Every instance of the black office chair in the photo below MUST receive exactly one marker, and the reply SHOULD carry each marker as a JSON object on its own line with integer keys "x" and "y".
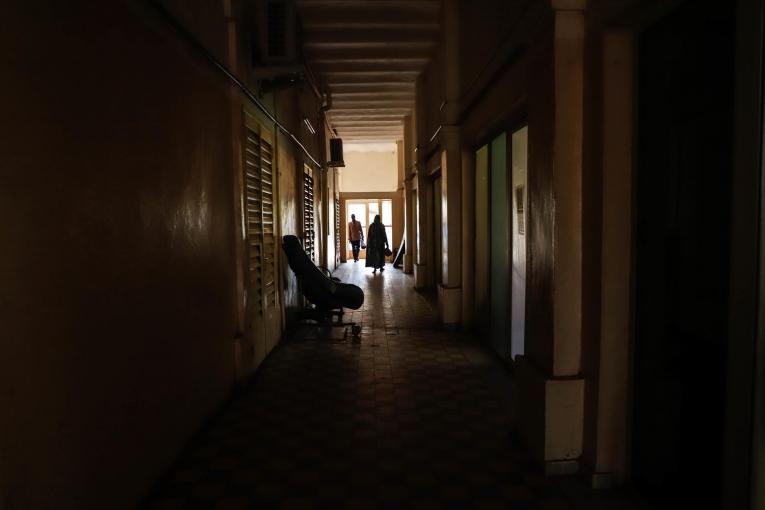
{"x": 327, "y": 294}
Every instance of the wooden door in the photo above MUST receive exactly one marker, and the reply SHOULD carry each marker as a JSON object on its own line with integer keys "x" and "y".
{"x": 685, "y": 148}
{"x": 262, "y": 294}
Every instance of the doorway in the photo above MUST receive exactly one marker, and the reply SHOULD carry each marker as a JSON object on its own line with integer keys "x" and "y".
{"x": 684, "y": 144}
{"x": 365, "y": 211}
{"x": 438, "y": 232}
{"x": 482, "y": 241}
{"x": 518, "y": 214}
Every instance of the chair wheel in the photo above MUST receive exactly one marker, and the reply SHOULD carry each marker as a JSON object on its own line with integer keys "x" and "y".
{"x": 356, "y": 330}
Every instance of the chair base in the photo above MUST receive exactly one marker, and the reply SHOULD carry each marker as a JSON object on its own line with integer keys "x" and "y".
{"x": 330, "y": 318}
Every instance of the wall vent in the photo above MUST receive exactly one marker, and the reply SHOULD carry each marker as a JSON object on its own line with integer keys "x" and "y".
{"x": 277, "y": 34}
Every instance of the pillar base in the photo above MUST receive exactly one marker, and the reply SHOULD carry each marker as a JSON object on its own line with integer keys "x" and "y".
{"x": 450, "y": 306}
{"x": 561, "y": 467}
{"x": 602, "y": 481}
{"x": 420, "y": 276}
{"x": 408, "y": 263}
{"x": 550, "y": 417}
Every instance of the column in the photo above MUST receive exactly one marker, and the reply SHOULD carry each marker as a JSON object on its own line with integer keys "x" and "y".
{"x": 450, "y": 291}
{"x": 421, "y": 276}
{"x": 551, "y": 391}
{"x": 409, "y": 210}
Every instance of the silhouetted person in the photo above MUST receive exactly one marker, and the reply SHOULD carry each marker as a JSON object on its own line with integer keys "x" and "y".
{"x": 377, "y": 243}
{"x": 355, "y": 236}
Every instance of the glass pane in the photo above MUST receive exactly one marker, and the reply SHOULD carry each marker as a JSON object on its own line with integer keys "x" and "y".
{"x": 519, "y": 163}
{"x": 373, "y": 210}
{"x": 389, "y": 233}
{"x": 387, "y": 212}
{"x": 499, "y": 246}
{"x": 359, "y": 210}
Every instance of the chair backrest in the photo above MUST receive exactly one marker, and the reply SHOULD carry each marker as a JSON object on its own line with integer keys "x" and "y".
{"x": 315, "y": 286}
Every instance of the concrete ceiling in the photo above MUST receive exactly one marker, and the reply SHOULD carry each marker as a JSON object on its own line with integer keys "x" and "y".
{"x": 369, "y": 53}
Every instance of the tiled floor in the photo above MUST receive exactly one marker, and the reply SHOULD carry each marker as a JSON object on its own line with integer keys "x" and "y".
{"x": 406, "y": 418}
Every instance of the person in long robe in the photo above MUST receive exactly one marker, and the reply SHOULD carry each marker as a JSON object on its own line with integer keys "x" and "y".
{"x": 377, "y": 243}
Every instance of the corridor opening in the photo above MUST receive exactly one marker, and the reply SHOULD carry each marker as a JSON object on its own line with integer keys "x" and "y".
{"x": 365, "y": 212}
{"x": 438, "y": 231}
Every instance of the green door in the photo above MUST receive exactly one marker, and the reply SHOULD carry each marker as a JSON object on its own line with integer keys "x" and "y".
{"x": 498, "y": 219}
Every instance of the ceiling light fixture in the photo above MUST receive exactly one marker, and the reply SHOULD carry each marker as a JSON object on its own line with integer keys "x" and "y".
{"x": 308, "y": 125}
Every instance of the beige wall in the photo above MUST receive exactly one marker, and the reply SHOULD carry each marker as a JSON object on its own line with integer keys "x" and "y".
{"x": 369, "y": 170}
{"x": 120, "y": 295}
{"x": 117, "y": 226}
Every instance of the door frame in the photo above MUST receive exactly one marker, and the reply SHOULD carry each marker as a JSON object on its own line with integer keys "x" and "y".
{"x": 745, "y": 379}
{"x": 514, "y": 121}
{"x": 397, "y": 203}
{"x": 744, "y": 467}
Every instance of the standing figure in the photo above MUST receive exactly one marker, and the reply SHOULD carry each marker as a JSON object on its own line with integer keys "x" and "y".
{"x": 377, "y": 243}
{"x": 355, "y": 236}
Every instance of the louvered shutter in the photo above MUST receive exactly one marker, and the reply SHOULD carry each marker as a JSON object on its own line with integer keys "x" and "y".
{"x": 269, "y": 232}
{"x": 309, "y": 233}
{"x": 261, "y": 241}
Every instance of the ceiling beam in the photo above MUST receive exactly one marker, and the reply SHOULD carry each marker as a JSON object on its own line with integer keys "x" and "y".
{"x": 342, "y": 88}
{"x": 370, "y": 35}
{"x": 381, "y": 117}
{"x": 382, "y": 52}
{"x": 370, "y": 76}
{"x": 431, "y": 7}
{"x": 390, "y": 44}
{"x": 356, "y": 123}
{"x": 371, "y": 111}
{"x": 371, "y": 23}
{"x": 370, "y": 62}
{"x": 365, "y": 105}
{"x": 371, "y": 95}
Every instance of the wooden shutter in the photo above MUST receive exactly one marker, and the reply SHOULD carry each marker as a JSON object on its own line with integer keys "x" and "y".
{"x": 259, "y": 197}
{"x": 309, "y": 232}
{"x": 269, "y": 232}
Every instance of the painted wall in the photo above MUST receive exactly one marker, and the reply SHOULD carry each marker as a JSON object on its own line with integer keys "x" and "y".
{"x": 117, "y": 226}
{"x": 508, "y": 80}
{"x": 120, "y": 274}
{"x": 369, "y": 170}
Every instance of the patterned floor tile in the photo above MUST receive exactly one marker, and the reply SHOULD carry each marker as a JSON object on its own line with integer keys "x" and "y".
{"x": 402, "y": 419}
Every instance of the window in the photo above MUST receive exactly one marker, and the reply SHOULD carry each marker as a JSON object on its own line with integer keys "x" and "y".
{"x": 366, "y": 209}
{"x": 337, "y": 230}
{"x": 387, "y": 219}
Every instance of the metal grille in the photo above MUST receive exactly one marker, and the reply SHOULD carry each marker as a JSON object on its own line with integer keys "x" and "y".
{"x": 261, "y": 243}
{"x": 309, "y": 233}
{"x": 277, "y": 29}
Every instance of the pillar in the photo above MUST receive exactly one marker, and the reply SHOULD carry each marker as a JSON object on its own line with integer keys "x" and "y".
{"x": 608, "y": 461}
{"x": 468, "y": 239}
{"x": 409, "y": 208}
{"x": 551, "y": 397}
{"x": 450, "y": 290}
{"x": 421, "y": 268}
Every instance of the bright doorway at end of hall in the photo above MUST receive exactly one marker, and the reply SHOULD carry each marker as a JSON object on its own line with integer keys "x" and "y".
{"x": 365, "y": 211}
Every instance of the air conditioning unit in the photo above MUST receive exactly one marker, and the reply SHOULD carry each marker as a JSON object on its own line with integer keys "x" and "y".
{"x": 277, "y": 34}
{"x": 335, "y": 153}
